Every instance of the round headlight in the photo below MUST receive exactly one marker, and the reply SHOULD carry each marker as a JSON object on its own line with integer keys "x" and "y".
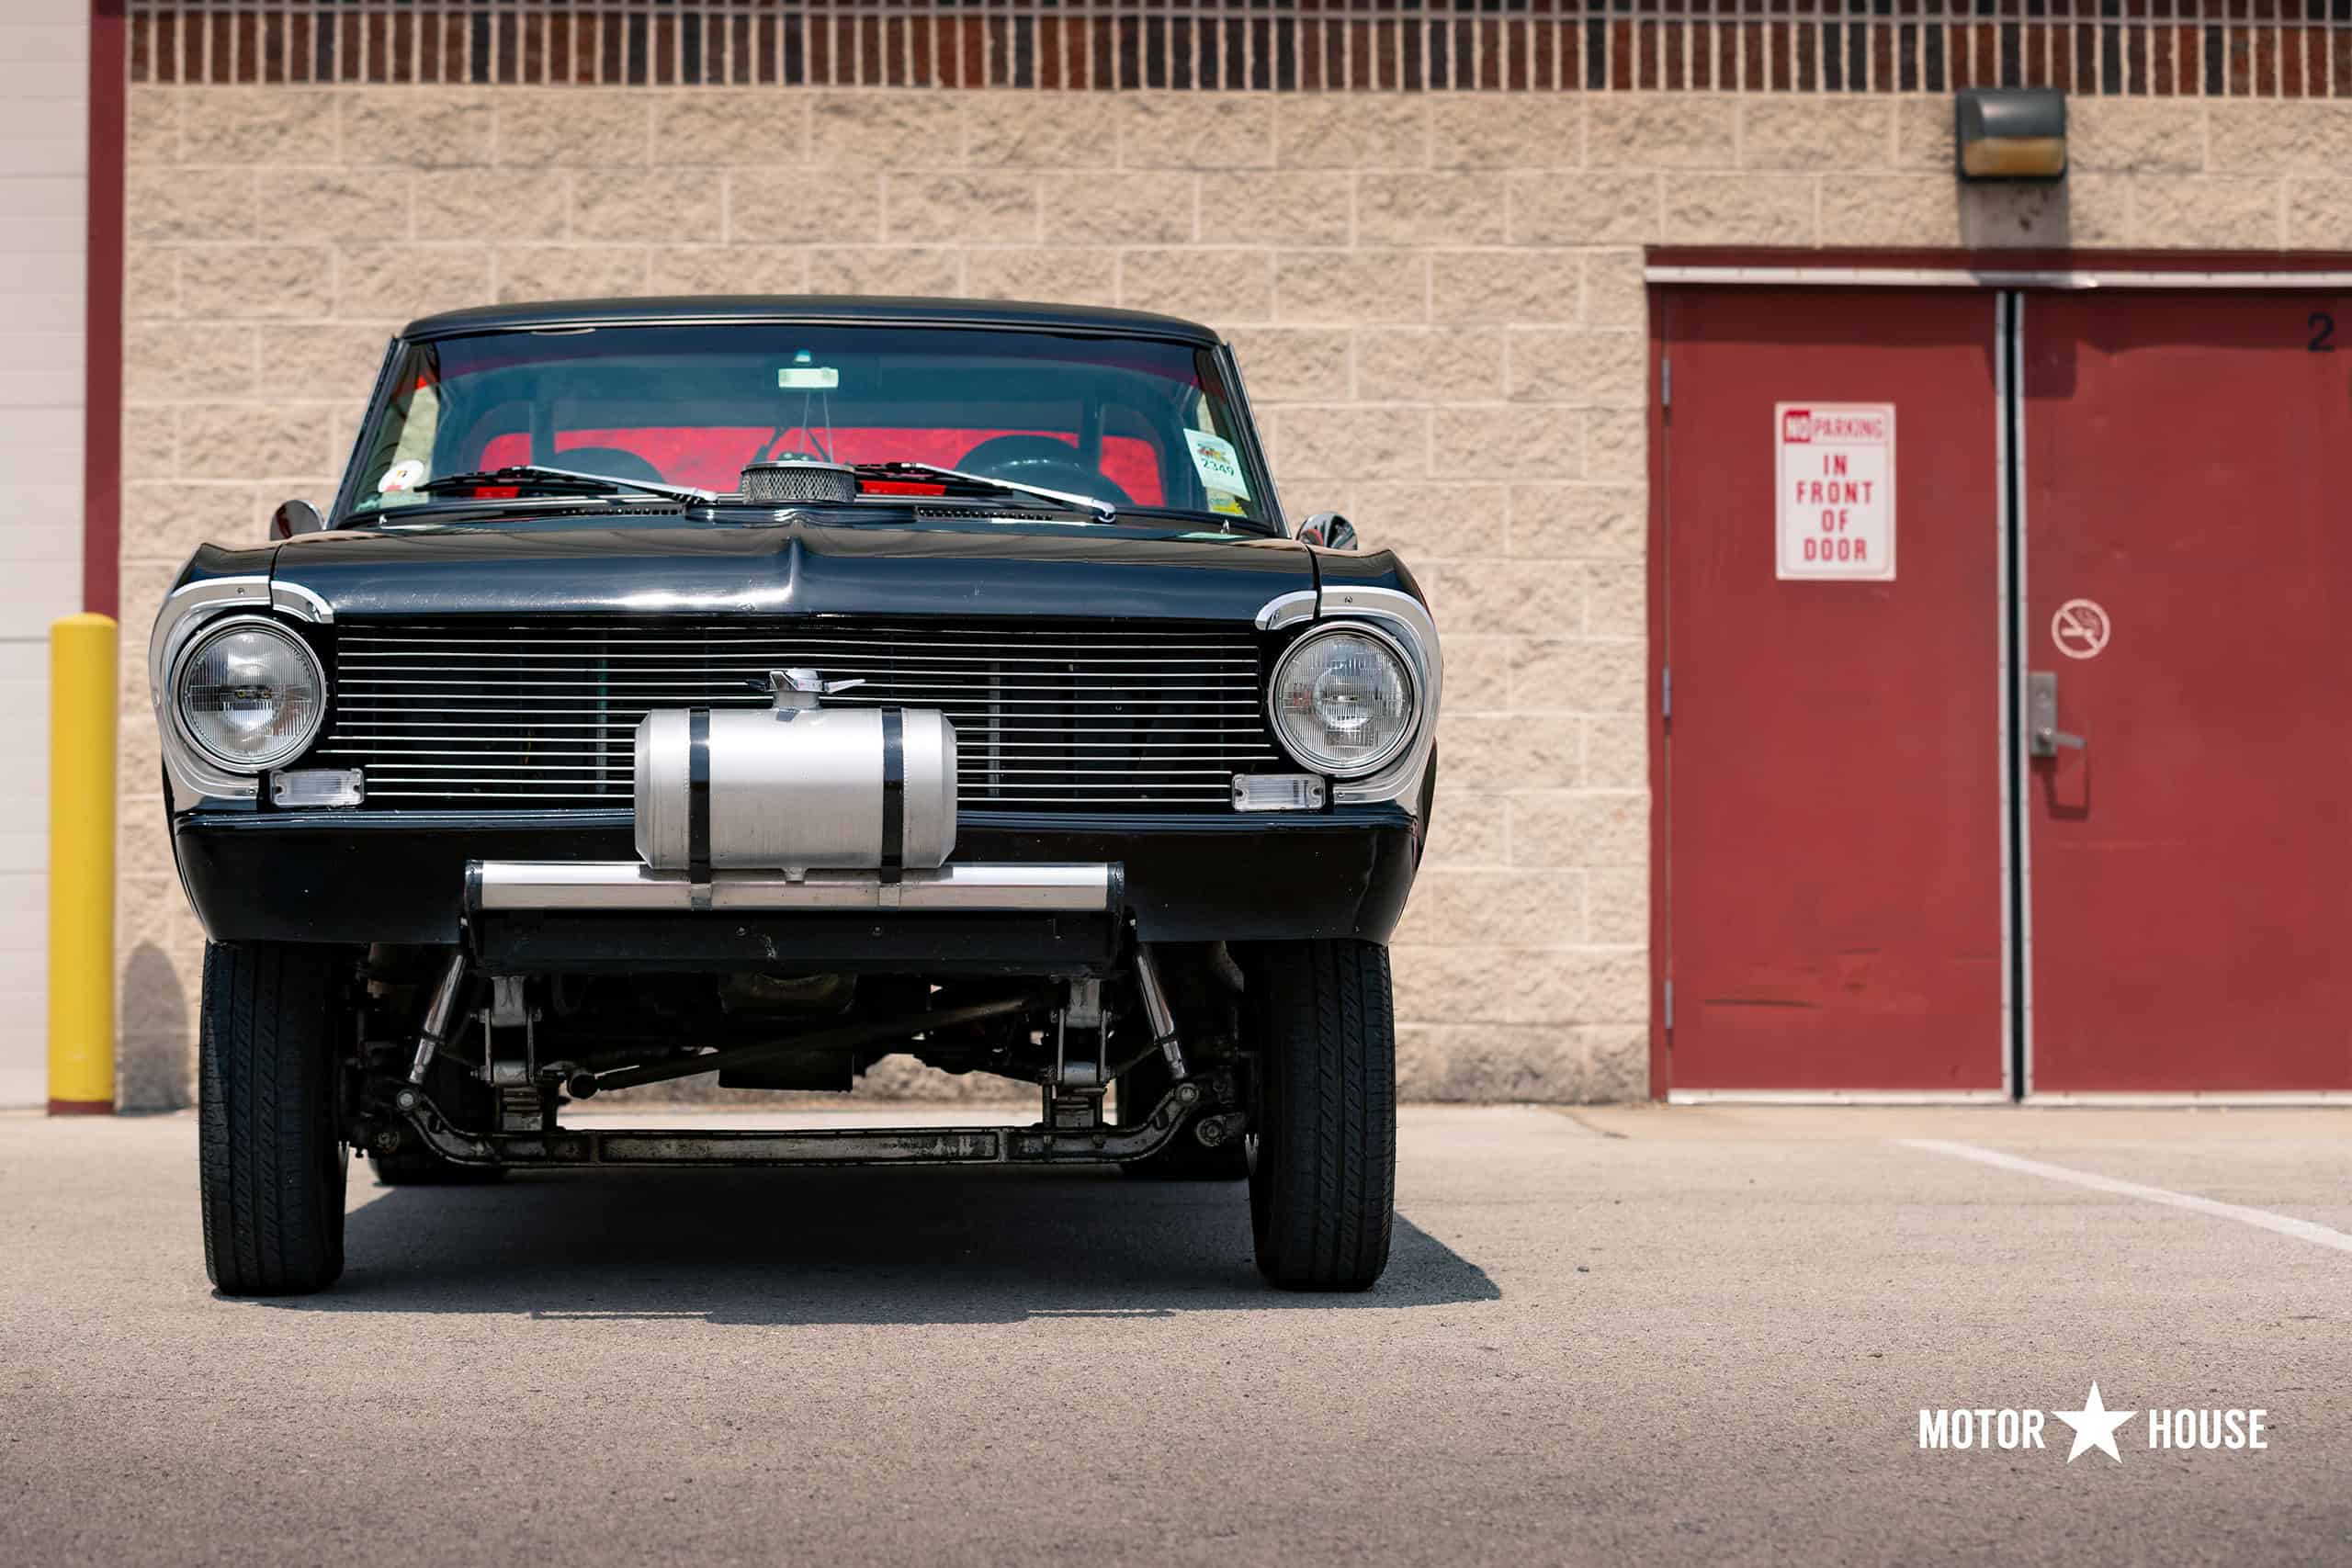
{"x": 1344, "y": 701}
{"x": 251, "y": 693}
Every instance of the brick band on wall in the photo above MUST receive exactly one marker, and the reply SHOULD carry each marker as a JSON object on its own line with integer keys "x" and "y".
{"x": 2231, "y": 49}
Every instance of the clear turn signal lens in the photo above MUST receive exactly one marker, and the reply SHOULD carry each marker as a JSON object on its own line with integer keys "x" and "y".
{"x": 1277, "y": 792}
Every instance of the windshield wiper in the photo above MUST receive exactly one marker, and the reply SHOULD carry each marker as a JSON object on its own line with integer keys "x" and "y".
{"x": 557, "y": 481}
{"x": 1101, "y": 508}
{"x": 1227, "y": 522}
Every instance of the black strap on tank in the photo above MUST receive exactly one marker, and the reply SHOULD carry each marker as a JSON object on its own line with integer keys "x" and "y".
{"x": 698, "y": 794}
{"x": 894, "y": 794}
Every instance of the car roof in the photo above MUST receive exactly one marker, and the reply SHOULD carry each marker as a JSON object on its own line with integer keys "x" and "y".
{"x": 836, "y": 308}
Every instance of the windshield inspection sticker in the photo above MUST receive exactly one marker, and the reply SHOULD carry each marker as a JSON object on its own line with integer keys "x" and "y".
{"x": 805, "y": 375}
{"x": 402, "y": 476}
{"x": 1218, "y": 463}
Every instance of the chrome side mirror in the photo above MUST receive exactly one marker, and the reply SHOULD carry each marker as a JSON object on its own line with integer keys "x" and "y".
{"x": 294, "y": 517}
{"x": 1329, "y": 530}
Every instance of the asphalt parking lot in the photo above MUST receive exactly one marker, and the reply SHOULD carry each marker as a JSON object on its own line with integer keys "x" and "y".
{"x": 1609, "y": 1336}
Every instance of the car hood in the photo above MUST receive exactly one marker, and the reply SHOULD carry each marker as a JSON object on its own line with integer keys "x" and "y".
{"x": 792, "y": 568}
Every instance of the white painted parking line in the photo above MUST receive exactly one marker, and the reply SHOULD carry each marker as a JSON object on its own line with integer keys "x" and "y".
{"x": 2302, "y": 1230}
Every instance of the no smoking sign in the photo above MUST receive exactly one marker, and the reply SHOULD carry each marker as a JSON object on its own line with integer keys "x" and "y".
{"x": 2080, "y": 628}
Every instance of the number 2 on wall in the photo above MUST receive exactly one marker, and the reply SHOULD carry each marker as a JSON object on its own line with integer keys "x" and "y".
{"x": 2323, "y": 326}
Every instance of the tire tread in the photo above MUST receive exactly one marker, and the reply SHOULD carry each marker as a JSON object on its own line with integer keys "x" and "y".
{"x": 271, "y": 1172}
{"x": 1324, "y": 1193}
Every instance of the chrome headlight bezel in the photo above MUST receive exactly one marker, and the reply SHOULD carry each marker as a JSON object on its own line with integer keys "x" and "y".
{"x": 1407, "y": 668}
{"x": 213, "y": 630}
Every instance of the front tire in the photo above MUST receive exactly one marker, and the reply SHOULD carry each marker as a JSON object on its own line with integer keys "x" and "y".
{"x": 270, "y": 1154}
{"x": 1323, "y": 1179}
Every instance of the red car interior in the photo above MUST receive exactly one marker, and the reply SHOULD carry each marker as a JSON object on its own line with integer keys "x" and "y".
{"x": 712, "y": 457}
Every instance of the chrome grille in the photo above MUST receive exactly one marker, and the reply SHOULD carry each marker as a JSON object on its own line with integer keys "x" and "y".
{"x": 1074, "y": 716}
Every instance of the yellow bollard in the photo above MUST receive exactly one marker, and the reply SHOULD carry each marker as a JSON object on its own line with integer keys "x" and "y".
{"x": 83, "y": 686}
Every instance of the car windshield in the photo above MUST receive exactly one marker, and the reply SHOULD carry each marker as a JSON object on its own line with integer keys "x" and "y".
{"x": 1133, "y": 422}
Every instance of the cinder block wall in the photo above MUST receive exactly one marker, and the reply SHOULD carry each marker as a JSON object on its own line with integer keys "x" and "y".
{"x": 1438, "y": 301}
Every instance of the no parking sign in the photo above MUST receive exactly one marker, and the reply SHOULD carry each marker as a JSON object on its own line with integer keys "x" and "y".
{"x": 1834, "y": 488}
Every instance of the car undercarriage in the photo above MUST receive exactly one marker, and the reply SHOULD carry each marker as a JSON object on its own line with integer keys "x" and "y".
{"x": 455, "y": 1065}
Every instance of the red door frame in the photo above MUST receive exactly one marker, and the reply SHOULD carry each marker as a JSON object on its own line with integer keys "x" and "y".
{"x": 1783, "y": 266}
{"x": 1654, "y": 706}
{"x": 102, "y": 317}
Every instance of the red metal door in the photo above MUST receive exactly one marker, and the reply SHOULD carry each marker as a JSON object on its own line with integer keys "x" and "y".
{"x": 2187, "y": 465}
{"x": 1830, "y": 882}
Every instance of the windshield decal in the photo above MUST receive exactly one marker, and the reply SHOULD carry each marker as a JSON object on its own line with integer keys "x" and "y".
{"x": 1219, "y": 466}
{"x": 401, "y": 478}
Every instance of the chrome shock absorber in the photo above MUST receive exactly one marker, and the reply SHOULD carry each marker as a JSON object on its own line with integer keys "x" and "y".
{"x": 1157, "y": 1013}
{"x": 437, "y": 1014}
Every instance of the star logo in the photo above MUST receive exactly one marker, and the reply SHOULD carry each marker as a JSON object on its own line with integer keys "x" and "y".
{"x": 2094, "y": 1427}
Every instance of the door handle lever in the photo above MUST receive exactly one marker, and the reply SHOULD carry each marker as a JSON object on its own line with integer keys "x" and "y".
{"x": 2043, "y": 735}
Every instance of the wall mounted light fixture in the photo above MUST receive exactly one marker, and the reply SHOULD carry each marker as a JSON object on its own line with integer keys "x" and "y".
{"x": 2010, "y": 133}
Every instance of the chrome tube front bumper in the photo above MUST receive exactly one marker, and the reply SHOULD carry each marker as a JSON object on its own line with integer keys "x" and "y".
{"x": 1093, "y": 888}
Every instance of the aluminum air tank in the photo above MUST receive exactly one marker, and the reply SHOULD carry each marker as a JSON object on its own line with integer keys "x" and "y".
{"x": 795, "y": 788}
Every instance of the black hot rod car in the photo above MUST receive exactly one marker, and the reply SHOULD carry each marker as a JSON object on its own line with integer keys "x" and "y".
{"x": 763, "y": 686}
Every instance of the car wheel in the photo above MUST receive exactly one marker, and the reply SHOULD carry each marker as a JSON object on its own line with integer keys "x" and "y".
{"x": 1323, "y": 1175}
{"x": 270, "y": 1154}
{"x": 1183, "y": 1157}
{"x": 410, "y": 1165}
